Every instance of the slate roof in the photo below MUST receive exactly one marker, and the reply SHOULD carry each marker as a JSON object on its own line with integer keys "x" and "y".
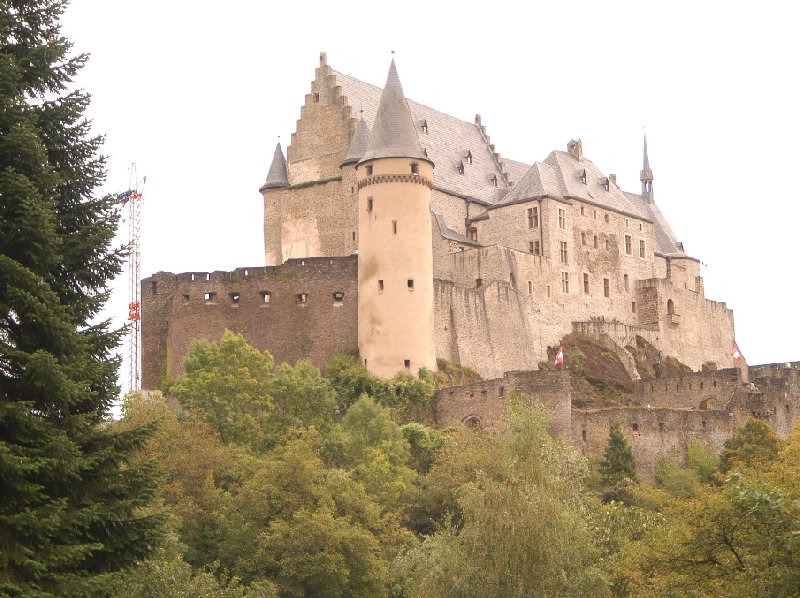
{"x": 393, "y": 133}
{"x": 447, "y": 141}
{"x": 278, "y": 175}
{"x": 449, "y": 233}
{"x": 358, "y": 144}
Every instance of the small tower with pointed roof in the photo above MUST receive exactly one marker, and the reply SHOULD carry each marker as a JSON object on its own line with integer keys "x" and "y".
{"x": 395, "y": 262}
{"x": 646, "y": 176}
{"x": 278, "y": 175}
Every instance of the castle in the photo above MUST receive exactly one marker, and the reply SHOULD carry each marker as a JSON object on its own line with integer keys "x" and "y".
{"x": 401, "y": 231}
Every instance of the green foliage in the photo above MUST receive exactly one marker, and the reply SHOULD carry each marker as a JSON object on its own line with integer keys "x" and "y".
{"x": 678, "y": 481}
{"x": 702, "y": 459}
{"x": 228, "y": 382}
{"x": 753, "y": 446}
{"x": 454, "y": 374}
{"x": 618, "y": 467}
{"x": 424, "y": 443}
{"x": 73, "y": 509}
{"x": 523, "y": 525}
{"x": 350, "y": 379}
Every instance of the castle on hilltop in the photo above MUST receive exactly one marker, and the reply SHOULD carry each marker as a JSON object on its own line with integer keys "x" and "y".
{"x": 401, "y": 231}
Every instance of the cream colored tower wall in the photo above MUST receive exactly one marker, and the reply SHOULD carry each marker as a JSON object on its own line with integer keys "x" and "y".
{"x": 395, "y": 322}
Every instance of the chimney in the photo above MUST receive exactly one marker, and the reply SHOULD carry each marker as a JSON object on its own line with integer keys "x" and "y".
{"x": 478, "y": 119}
{"x": 575, "y": 148}
{"x": 613, "y": 179}
{"x": 323, "y": 58}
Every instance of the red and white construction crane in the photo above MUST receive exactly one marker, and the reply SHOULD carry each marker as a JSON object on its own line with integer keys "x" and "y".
{"x": 132, "y": 198}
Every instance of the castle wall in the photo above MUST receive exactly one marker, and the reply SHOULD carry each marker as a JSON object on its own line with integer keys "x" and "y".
{"x": 301, "y": 317}
{"x": 484, "y": 403}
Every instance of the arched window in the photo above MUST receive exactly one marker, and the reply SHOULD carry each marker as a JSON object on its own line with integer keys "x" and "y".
{"x": 471, "y": 421}
{"x": 670, "y": 307}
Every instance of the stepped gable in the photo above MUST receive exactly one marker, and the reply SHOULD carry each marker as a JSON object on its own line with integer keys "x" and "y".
{"x": 358, "y": 144}
{"x": 447, "y": 142}
{"x": 278, "y": 175}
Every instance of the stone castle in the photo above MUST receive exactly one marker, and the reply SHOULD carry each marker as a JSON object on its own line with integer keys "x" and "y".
{"x": 400, "y": 230}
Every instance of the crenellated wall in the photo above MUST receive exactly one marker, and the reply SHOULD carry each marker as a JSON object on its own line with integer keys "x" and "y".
{"x": 304, "y": 308}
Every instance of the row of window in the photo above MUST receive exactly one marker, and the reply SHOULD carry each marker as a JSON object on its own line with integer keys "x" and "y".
{"x": 535, "y": 247}
{"x": 235, "y": 298}
{"x": 414, "y": 168}
{"x": 533, "y": 218}
{"x": 409, "y": 285}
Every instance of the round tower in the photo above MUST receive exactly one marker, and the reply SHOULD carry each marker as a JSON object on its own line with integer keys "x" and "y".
{"x": 395, "y": 261}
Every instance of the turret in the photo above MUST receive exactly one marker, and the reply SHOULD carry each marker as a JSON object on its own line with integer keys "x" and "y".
{"x": 278, "y": 175}
{"x": 646, "y": 176}
{"x": 395, "y": 261}
{"x": 358, "y": 144}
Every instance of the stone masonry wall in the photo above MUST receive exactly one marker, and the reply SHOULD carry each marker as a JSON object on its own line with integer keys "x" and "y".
{"x": 294, "y": 310}
{"x": 484, "y": 403}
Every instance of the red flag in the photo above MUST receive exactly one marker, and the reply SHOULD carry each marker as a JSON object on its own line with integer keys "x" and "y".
{"x": 559, "y": 356}
{"x": 736, "y": 354}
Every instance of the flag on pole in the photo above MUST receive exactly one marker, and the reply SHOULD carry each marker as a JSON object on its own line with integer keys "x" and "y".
{"x": 736, "y": 354}
{"x": 559, "y": 356}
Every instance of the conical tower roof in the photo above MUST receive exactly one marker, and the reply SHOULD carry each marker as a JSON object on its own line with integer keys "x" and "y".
{"x": 646, "y": 174}
{"x": 278, "y": 175}
{"x": 394, "y": 134}
{"x": 358, "y": 145}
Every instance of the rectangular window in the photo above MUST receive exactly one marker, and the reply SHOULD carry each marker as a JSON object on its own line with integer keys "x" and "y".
{"x": 533, "y": 217}
{"x": 210, "y": 297}
{"x": 633, "y": 306}
{"x": 606, "y": 217}
{"x": 583, "y": 238}
{"x": 640, "y": 226}
{"x": 394, "y": 227}
{"x": 235, "y": 298}
{"x": 369, "y": 170}
{"x": 548, "y": 290}
{"x": 473, "y": 234}
{"x": 380, "y": 286}
{"x": 354, "y": 235}
{"x": 562, "y": 219}
{"x": 627, "y": 244}
{"x": 478, "y": 282}
{"x": 265, "y": 297}
{"x": 565, "y": 282}
{"x": 625, "y": 279}
{"x": 410, "y": 284}
{"x": 414, "y": 168}
{"x": 537, "y": 248}
{"x": 626, "y": 223}
{"x": 595, "y": 241}
{"x": 530, "y": 246}
{"x": 563, "y": 252}
{"x": 530, "y": 288}
{"x": 581, "y": 210}
{"x": 608, "y": 244}
{"x": 407, "y": 364}
{"x": 606, "y": 287}
{"x": 585, "y": 283}
{"x": 369, "y": 204}
{"x": 642, "y": 252}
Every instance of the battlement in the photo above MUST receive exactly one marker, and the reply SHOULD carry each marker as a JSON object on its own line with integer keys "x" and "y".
{"x": 305, "y": 308}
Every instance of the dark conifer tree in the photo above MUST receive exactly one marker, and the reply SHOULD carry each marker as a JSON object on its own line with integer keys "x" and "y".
{"x": 618, "y": 466}
{"x": 71, "y": 506}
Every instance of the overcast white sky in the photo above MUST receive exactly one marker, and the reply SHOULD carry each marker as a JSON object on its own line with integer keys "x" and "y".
{"x": 197, "y": 93}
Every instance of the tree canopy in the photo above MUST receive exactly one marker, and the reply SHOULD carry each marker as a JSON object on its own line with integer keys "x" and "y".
{"x": 73, "y": 509}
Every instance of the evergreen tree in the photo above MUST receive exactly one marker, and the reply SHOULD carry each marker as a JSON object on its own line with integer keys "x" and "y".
{"x": 618, "y": 466}
{"x": 71, "y": 507}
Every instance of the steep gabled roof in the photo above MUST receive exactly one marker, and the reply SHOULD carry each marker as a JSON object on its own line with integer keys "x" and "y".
{"x": 666, "y": 241}
{"x": 278, "y": 175}
{"x": 446, "y": 142}
{"x": 394, "y": 134}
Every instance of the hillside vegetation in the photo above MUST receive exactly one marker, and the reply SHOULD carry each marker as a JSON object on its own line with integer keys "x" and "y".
{"x": 283, "y": 480}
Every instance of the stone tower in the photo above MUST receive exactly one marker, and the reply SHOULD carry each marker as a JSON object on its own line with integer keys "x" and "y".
{"x": 395, "y": 262}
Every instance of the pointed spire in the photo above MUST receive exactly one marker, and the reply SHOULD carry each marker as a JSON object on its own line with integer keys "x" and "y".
{"x": 278, "y": 175}
{"x": 358, "y": 144}
{"x": 393, "y": 134}
{"x": 646, "y": 176}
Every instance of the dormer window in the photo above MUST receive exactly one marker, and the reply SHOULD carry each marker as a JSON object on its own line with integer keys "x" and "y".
{"x": 424, "y": 126}
{"x": 582, "y": 175}
{"x": 604, "y": 183}
{"x": 460, "y": 168}
{"x": 494, "y": 180}
{"x": 415, "y": 168}
{"x": 469, "y": 157}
